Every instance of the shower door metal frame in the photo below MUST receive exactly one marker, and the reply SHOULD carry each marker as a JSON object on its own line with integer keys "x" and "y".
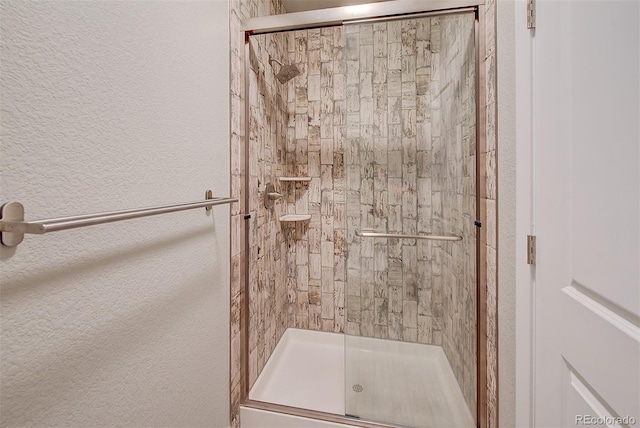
{"x": 386, "y": 10}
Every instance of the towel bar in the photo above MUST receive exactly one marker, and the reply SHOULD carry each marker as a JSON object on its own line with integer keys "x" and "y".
{"x": 13, "y": 227}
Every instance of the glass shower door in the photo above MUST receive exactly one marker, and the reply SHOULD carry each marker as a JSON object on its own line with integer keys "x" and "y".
{"x": 410, "y": 171}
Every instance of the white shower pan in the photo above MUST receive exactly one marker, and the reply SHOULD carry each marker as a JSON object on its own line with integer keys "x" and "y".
{"x": 400, "y": 383}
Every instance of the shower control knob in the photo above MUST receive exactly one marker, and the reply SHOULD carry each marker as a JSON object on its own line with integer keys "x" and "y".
{"x": 270, "y": 195}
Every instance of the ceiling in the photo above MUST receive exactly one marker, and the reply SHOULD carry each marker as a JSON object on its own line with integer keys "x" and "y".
{"x": 303, "y": 5}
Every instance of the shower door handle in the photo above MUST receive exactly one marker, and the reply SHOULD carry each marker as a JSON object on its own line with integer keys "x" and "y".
{"x": 401, "y": 236}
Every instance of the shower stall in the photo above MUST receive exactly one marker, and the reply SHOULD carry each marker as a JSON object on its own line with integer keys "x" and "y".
{"x": 361, "y": 215}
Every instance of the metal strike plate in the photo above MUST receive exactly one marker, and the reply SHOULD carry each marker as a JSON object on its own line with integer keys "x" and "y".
{"x": 11, "y": 212}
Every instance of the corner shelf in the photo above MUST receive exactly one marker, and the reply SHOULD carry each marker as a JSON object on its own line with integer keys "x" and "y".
{"x": 295, "y": 217}
{"x": 294, "y": 178}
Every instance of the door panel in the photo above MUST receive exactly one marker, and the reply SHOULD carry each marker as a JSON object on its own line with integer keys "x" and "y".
{"x": 602, "y": 348}
{"x": 604, "y": 155}
{"x": 586, "y": 138}
{"x": 582, "y": 400}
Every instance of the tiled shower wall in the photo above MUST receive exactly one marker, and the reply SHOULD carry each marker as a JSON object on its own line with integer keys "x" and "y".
{"x": 489, "y": 194}
{"x": 267, "y": 240}
{"x": 315, "y": 145}
{"x": 410, "y": 169}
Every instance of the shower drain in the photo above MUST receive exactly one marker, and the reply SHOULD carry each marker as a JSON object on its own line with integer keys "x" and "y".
{"x": 358, "y": 388}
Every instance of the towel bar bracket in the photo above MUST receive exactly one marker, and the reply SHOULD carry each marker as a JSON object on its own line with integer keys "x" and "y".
{"x": 208, "y": 195}
{"x": 11, "y": 212}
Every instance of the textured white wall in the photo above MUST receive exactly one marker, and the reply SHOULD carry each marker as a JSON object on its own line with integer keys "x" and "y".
{"x": 507, "y": 251}
{"x": 113, "y": 105}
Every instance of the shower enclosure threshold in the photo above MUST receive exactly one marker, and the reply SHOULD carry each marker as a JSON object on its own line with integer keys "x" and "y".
{"x": 402, "y": 383}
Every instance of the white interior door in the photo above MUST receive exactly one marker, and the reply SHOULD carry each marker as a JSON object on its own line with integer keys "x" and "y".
{"x": 586, "y": 212}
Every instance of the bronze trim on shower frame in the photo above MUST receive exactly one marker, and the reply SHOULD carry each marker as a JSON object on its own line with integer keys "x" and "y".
{"x": 244, "y": 280}
{"x": 352, "y": 14}
{"x": 389, "y": 10}
{"x": 481, "y": 216}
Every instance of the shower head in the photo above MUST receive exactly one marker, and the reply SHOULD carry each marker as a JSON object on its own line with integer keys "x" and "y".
{"x": 286, "y": 72}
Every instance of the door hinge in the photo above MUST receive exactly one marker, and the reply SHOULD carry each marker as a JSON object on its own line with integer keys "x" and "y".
{"x": 531, "y": 250}
{"x": 531, "y": 14}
